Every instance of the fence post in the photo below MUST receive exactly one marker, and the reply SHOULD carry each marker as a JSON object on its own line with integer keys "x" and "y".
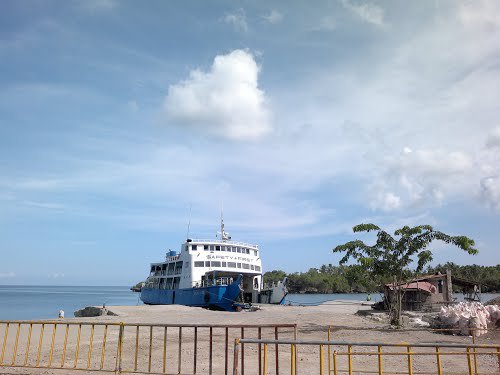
{"x": 235, "y": 356}
{"x": 118, "y": 364}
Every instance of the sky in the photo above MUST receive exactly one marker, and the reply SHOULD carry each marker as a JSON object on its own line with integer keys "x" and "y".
{"x": 123, "y": 123}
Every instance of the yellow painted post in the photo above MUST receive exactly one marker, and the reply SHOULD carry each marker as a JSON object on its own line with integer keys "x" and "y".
{"x": 89, "y": 355}
{"x": 14, "y": 355}
{"x": 77, "y": 350}
{"x": 28, "y": 345}
{"x": 438, "y": 358}
{"x": 498, "y": 355}
{"x": 103, "y": 351}
{"x": 118, "y": 362}
{"x": 292, "y": 359}
{"x": 469, "y": 362}
{"x": 321, "y": 365}
{"x": 410, "y": 367}
{"x": 150, "y": 347}
{"x": 164, "y": 349}
{"x": 474, "y": 350}
{"x": 329, "y": 351}
{"x": 52, "y": 344}
{"x": 179, "y": 360}
{"x": 334, "y": 362}
{"x": 136, "y": 347}
{"x": 40, "y": 345}
{"x": 264, "y": 369}
{"x": 379, "y": 360}
{"x": 4, "y": 342}
{"x": 63, "y": 357}
{"x": 349, "y": 353}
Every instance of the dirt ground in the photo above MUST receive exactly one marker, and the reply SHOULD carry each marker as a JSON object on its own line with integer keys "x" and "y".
{"x": 158, "y": 347}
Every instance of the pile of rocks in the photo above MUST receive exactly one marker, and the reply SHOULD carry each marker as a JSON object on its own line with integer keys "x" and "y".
{"x": 470, "y": 318}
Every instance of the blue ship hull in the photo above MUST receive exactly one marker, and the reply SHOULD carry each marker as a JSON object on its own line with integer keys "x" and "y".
{"x": 221, "y": 297}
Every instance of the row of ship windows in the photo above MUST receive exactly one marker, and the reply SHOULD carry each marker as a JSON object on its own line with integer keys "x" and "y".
{"x": 216, "y": 263}
{"x": 233, "y": 249}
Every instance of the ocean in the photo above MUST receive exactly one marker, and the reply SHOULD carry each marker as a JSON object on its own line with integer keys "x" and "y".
{"x": 23, "y": 302}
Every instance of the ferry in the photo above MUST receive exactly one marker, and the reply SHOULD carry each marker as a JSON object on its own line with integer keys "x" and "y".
{"x": 219, "y": 274}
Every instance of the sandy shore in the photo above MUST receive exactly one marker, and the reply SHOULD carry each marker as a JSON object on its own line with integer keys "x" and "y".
{"x": 312, "y": 323}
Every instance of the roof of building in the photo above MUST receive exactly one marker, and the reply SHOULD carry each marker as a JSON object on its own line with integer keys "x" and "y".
{"x": 416, "y": 285}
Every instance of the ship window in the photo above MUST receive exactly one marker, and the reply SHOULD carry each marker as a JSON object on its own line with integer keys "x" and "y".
{"x": 217, "y": 248}
{"x": 239, "y": 265}
{"x": 231, "y": 264}
{"x": 207, "y": 263}
{"x": 248, "y": 251}
{"x": 234, "y": 249}
{"x": 152, "y": 268}
{"x": 238, "y": 250}
{"x": 211, "y": 247}
{"x": 164, "y": 266}
{"x": 215, "y": 264}
{"x": 252, "y": 267}
{"x": 255, "y": 252}
{"x": 205, "y": 247}
{"x": 246, "y": 266}
{"x": 199, "y": 264}
{"x": 257, "y": 268}
{"x": 224, "y": 264}
{"x": 178, "y": 267}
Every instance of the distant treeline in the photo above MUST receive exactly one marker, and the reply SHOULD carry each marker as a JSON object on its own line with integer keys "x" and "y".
{"x": 354, "y": 279}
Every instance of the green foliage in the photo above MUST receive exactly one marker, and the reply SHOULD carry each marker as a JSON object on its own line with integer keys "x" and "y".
{"x": 390, "y": 257}
{"x": 487, "y": 276}
{"x": 327, "y": 279}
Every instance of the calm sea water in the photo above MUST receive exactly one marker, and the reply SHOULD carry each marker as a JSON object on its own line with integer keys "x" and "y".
{"x": 44, "y": 302}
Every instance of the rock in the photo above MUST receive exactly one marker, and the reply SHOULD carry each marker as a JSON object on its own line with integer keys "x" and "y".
{"x": 91, "y": 311}
{"x": 494, "y": 301}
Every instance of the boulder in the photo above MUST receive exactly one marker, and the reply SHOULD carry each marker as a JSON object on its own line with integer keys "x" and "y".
{"x": 91, "y": 311}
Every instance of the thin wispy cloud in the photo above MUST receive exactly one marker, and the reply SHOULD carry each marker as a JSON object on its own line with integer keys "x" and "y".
{"x": 236, "y": 19}
{"x": 7, "y": 275}
{"x": 366, "y": 11}
{"x": 273, "y": 17}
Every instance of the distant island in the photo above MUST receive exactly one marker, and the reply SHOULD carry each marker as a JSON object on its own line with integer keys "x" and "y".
{"x": 353, "y": 279}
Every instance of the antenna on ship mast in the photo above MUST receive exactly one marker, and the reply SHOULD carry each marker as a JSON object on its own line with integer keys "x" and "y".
{"x": 224, "y": 236}
{"x": 189, "y": 221}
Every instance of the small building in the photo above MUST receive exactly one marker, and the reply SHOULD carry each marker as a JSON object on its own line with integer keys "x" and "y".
{"x": 430, "y": 292}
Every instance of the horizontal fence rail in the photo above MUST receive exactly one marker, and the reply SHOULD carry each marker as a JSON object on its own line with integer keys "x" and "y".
{"x": 372, "y": 358}
{"x": 130, "y": 347}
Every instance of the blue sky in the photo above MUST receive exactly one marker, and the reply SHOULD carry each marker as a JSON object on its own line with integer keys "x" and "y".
{"x": 116, "y": 117}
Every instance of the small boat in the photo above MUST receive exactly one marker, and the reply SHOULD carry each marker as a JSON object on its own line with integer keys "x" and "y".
{"x": 219, "y": 274}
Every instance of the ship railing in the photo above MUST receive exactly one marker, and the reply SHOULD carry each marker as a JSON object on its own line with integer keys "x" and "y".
{"x": 227, "y": 242}
{"x": 219, "y": 281}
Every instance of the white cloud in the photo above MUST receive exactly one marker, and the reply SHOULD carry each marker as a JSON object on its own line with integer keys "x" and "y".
{"x": 493, "y": 138}
{"x": 490, "y": 191}
{"x": 225, "y": 101}
{"x": 7, "y": 275}
{"x": 55, "y": 275}
{"x": 237, "y": 19}
{"x": 327, "y": 23}
{"x": 273, "y": 17}
{"x": 368, "y": 12}
{"x": 97, "y": 5}
{"x": 385, "y": 201}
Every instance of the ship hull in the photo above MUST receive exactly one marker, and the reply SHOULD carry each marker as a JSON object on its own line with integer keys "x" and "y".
{"x": 221, "y": 297}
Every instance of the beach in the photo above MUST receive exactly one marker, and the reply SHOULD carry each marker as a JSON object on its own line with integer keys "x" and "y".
{"x": 349, "y": 324}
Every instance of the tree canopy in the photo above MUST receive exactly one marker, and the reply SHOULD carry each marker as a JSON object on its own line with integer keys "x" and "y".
{"x": 391, "y": 256}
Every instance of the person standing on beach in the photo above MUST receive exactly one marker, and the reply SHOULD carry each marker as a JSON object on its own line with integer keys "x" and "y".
{"x": 61, "y": 314}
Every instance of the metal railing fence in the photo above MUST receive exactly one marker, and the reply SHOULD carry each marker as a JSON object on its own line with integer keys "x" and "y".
{"x": 129, "y": 347}
{"x": 388, "y": 358}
